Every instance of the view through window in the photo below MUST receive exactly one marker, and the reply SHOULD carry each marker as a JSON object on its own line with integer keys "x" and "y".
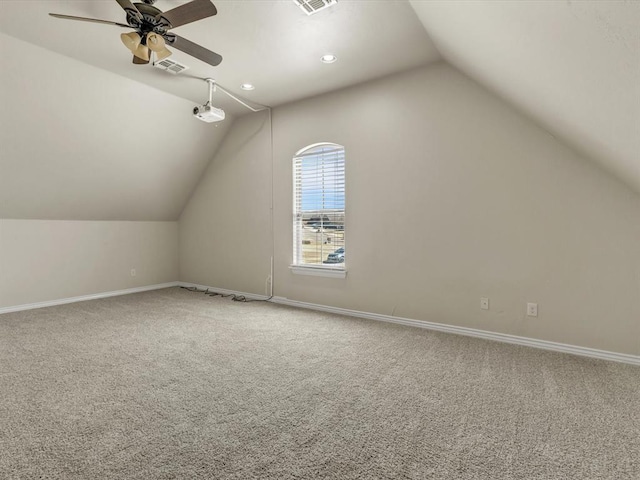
{"x": 319, "y": 206}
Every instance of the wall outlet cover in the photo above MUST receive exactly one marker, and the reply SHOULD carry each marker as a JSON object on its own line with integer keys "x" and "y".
{"x": 484, "y": 303}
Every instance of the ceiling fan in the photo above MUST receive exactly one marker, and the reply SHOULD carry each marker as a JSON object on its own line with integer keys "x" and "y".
{"x": 152, "y": 29}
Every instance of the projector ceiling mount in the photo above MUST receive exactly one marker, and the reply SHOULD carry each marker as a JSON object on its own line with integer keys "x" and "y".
{"x": 208, "y": 113}
{"x": 152, "y": 27}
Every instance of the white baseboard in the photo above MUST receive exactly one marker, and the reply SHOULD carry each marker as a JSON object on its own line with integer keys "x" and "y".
{"x": 84, "y": 298}
{"x": 470, "y": 332}
{"x": 440, "y": 327}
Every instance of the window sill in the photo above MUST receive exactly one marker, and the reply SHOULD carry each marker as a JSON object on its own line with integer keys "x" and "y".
{"x": 319, "y": 271}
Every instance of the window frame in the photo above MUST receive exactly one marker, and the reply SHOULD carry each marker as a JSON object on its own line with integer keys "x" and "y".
{"x": 322, "y": 270}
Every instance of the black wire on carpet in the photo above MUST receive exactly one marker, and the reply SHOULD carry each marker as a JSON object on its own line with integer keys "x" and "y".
{"x": 233, "y": 296}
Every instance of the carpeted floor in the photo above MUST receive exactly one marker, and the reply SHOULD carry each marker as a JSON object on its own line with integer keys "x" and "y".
{"x": 174, "y": 384}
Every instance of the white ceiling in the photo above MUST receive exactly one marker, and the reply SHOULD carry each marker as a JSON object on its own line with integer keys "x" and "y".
{"x": 271, "y": 44}
{"x": 574, "y": 66}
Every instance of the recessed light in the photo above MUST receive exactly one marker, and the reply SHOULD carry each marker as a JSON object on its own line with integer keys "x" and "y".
{"x": 247, "y": 86}
{"x": 328, "y": 58}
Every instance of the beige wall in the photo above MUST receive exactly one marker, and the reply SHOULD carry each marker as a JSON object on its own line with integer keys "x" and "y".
{"x": 83, "y": 143}
{"x": 452, "y": 195}
{"x": 225, "y": 229}
{"x": 43, "y": 260}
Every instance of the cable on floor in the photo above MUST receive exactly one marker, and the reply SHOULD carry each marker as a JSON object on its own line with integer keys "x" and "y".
{"x": 233, "y": 296}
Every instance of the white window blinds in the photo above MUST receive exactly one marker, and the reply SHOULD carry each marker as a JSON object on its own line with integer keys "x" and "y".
{"x": 319, "y": 207}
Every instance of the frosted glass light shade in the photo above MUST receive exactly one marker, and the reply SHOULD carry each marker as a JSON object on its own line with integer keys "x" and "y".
{"x": 155, "y": 42}
{"x": 142, "y": 53}
{"x": 131, "y": 40}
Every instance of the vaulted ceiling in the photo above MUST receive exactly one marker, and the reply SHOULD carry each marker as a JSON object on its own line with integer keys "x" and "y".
{"x": 272, "y": 44}
{"x": 574, "y": 66}
{"x": 86, "y": 134}
{"x": 81, "y": 143}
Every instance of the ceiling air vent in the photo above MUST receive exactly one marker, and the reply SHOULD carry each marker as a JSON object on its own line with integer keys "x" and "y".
{"x": 170, "y": 66}
{"x": 313, "y": 6}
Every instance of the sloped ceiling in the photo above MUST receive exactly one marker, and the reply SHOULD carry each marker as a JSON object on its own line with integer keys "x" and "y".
{"x": 87, "y": 135}
{"x": 80, "y": 143}
{"x": 574, "y": 66}
{"x": 84, "y": 134}
{"x": 272, "y": 44}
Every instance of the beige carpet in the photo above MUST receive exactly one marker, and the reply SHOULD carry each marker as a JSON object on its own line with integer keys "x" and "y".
{"x": 174, "y": 384}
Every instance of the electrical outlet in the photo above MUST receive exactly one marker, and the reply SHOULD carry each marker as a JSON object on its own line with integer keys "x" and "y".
{"x": 484, "y": 303}
{"x": 532, "y": 309}
{"x": 133, "y": 272}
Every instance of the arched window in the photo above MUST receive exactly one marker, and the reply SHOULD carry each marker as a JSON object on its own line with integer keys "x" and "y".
{"x": 319, "y": 208}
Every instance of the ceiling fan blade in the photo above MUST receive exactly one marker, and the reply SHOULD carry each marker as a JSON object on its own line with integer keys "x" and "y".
{"x": 84, "y": 19}
{"x": 128, "y": 7}
{"x": 187, "y": 13}
{"x": 193, "y": 49}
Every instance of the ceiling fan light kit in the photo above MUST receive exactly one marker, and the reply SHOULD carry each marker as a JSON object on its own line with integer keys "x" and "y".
{"x": 152, "y": 34}
{"x": 151, "y": 29}
{"x": 142, "y": 52}
{"x": 155, "y": 42}
{"x": 131, "y": 40}
{"x": 162, "y": 54}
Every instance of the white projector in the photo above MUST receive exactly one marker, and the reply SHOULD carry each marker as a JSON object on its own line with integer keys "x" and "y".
{"x": 208, "y": 114}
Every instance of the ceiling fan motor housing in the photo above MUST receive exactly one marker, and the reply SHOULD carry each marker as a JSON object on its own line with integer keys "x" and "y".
{"x": 149, "y": 21}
